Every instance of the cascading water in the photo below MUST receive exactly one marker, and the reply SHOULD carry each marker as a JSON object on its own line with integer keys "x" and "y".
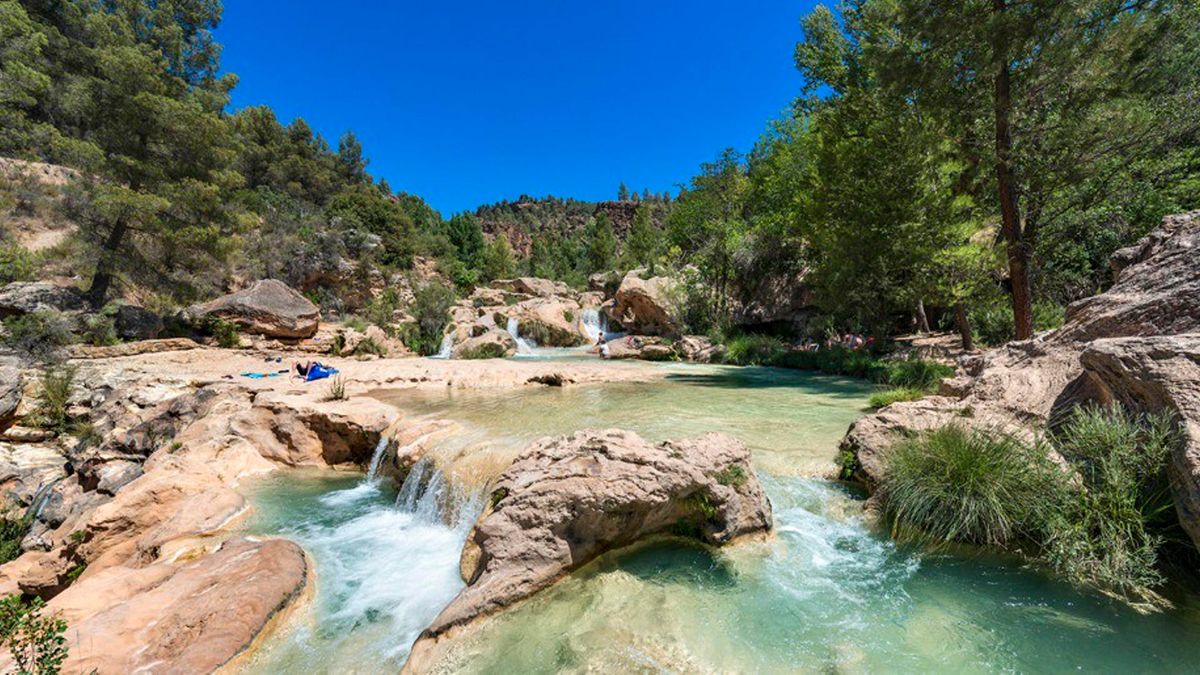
{"x": 595, "y": 323}
{"x": 447, "y": 347}
{"x": 377, "y": 458}
{"x": 523, "y": 346}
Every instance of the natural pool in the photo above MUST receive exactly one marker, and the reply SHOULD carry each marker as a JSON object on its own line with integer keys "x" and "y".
{"x": 825, "y": 594}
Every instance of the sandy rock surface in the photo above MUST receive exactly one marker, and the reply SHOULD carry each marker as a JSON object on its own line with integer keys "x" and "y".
{"x": 269, "y": 307}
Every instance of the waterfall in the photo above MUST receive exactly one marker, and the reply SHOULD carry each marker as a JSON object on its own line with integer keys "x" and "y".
{"x": 595, "y": 323}
{"x": 523, "y": 346}
{"x": 447, "y": 347}
{"x": 377, "y": 457}
{"x": 431, "y": 498}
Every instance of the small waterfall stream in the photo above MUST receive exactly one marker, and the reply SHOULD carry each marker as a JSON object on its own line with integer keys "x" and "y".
{"x": 377, "y": 457}
{"x": 523, "y": 346}
{"x": 447, "y": 347}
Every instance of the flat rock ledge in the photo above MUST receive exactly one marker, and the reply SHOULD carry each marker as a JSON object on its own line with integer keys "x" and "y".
{"x": 569, "y": 499}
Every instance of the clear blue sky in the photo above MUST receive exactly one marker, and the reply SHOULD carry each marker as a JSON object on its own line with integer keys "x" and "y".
{"x": 471, "y": 102}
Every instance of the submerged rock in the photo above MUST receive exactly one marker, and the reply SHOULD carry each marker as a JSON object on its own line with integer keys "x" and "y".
{"x": 269, "y": 307}
{"x": 569, "y": 499}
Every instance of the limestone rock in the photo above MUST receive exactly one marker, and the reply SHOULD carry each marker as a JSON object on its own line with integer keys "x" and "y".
{"x": 23, "y": 297}
{"x": 1158, "y": 374}
{"x": 533, "y": 286}
{"x": 84, "y": 351}
{"x": 494, "y": 344}
{"x": 550, "y": 322}
{"x": 180, "y": 618}
{"x": 566, "y": 500}
{"x": 643, "y": 306}
{"x": 641, "y": 347}
{"x": 11, "y": 390}
{"x": 1157, "y": 289}
{"x": 269, "y": 308}
{"x": 699, "y": 349}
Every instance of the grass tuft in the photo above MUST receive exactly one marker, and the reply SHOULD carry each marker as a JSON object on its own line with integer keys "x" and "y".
{"x": 887, "y": 397}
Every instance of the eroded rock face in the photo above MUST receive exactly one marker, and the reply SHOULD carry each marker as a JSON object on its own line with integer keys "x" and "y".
{"x": 533, "y": 286}
{"x": 181, "y": 618}
{"x": 23, "y": 297}
{"x": 639, "y": 347}
{"x": 1157, "y": 289}
{"x": 643, "y": 305}
{"x": 1155, "y": 374}
{"x": 12, "y": 387}
{"x": 699, "y": 349}
{"x": 269, "y": 308}
{"x": 566, "y": 500}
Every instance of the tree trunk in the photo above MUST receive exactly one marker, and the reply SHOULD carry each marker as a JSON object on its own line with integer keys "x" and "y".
{"x": 1010, "y": 215}
{"x": 963, "y": 323}
{"x": 922, "y": 318}
{"x": 102, "y": 279}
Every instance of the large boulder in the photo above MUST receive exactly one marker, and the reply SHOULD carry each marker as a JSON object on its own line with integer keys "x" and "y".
{"x": 269, "y": 307}
{"x": 549, "y": 322}
{"x": 136, "y": 323}
{"x": 533, "y": 286}
{"x": 639, "y": 347}
{"x": 567, "y": 500}
{"x": 1157, "y": 374}
{"x": 23, "y": 297}
{"x": 644, "y": 306}
{"x": 190, "y": 617}
{"x": 1157, "y": 289}
{"x": 699, "y": 349}
{"x": 494, "y": 344}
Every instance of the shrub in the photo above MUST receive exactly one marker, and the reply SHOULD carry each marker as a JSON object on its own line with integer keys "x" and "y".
{"x": 16, "y": 263}
{"x": 225, "y": 333}
{"x": 733, "y": 475}
{"x": 53, "y": 398}
{"x": 100, "y": 330}
{"x": 337, "y": 389}
{"x": 431, "y": 308}
{"x": 992, "y": 323}
{"x": 12, "y": 531}
{"x": 381, "y": 310}
{"x": 1108, "y": 534}
{"x": 35, "y": 641}
{"x": 914, "y": 373}
{"x": 755, "y": 350}
{"x": 369, "y": 346}
{"x": 38, "y": 335}
{"x": 887, "y": 397}
{"x": 357, "y": 323}
{"x": 487, "y": 350}
{"x": 957, "y": 485}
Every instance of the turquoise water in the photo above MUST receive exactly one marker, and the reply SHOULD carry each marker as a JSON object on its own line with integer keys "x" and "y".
{"x": 825, "y": 594}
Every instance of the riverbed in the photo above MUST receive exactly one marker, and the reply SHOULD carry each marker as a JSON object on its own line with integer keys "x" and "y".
{"x": 826, "y": 593}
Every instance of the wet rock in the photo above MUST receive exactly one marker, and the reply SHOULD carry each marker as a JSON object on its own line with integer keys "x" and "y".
{"x": 269, "y": 308}
{"x": 566, "y": 500}
{"x": 23, "y": 297}
{"x": 643, "y": 306}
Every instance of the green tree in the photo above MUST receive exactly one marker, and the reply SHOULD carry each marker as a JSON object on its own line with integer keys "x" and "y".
{"x": 601, "y": 245}
{"x": 498, "y": 260}
{"x": 466, "y": 234}
{"x": 35, "y": 641}
{"x": 351, "y": 163}
{"x": 643, "y": 244}
{"x": 1046, "y": 97}
{"x": 365, "y": 206}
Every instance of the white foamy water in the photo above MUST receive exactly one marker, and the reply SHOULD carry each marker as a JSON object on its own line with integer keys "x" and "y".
{"x": 524, "y": 347}
{"x": 447, "y": 347}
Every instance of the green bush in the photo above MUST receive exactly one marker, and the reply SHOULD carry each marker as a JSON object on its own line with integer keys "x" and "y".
{"x": 53, "y": 399}
{"x": 952, "y": 484}
{"x": 1099, "y": 522}
{"x": 225, "y": 333}
{"x": 100, "y": 330}
{"x": 1109, "y": 532}
{"x": 914, "y": 373}
{"x": 369, "y": 346}
{"x": 381, "y": 310}
{"x": 755, "y": 350}
{"x": 35, "y": 641}
{"x": 12, "y": 531}
{"x": 887, "y": 397}
{"x": 992, "y": 324}
{"x": 38, "y": 335}
{"x": 488, "y": 350}
{"x": 16, "y": 263}
{"x": 431, "y": 309}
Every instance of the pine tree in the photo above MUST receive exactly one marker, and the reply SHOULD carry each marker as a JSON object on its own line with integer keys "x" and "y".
{"x": 644, "y": 240}
{"x": 601, "y": 245}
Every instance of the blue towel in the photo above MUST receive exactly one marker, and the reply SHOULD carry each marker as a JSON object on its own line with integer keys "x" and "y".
{"x": 258, "y": 376}
{"x": 319, "y": 372}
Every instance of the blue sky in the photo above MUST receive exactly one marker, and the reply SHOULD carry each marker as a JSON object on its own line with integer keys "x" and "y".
{"x": 467, "y": 103}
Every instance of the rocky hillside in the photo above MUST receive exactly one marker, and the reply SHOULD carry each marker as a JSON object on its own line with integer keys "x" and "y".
{"x": 529, "y": 217}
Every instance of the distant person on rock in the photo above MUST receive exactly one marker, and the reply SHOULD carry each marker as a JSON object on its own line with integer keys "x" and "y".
{"x": 313, "y": 370}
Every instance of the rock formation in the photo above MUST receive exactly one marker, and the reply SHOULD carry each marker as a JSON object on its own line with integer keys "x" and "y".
{"x": 23, "y": 297}
{"x": 268, "y": 307}
{"x": 567, "y": 500}
{"x": 644, "y": 306}
{"x": 1136, "y": 344}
